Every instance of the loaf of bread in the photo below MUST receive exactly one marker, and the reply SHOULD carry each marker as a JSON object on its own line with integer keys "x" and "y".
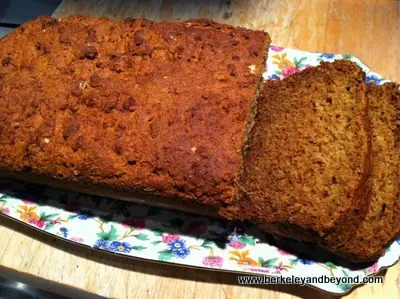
{"x": 118, "y": 107}
{"x": 168, "y": 114}
{"x": 308, "y": 156}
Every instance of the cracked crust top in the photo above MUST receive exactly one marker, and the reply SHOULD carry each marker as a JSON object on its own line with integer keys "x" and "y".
{"x": 133, "y": 105}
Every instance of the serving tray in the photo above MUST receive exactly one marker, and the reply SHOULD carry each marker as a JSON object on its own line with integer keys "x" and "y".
{"x": 162, "y": 235}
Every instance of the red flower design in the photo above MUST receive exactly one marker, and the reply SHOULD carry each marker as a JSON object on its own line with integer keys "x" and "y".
{"x": 197, "y": 228}
{"x": 290, "y": 71}
{"x": 237, "y": 245}
{"x": 283, "y": 252}
{"x": 169, "y": 238}
{"x": 5, "y": 211}
{"x": 137, "y": 222}
{"x": 279, "y": 268}
{"x": 28, "y": 202}
{"x": 374, "y": 267}
{"x": 37, "y": 223}
{"x": 77, "y": 239}
{"x": 276, "y": 48}
{"x": 72, "y": 206}
{"x": 213, "y": 261}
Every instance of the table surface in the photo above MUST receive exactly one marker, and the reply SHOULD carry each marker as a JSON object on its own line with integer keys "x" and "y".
{"x": 367, "y": 29}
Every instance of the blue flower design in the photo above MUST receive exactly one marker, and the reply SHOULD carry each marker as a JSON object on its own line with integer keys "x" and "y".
{"x": 102, "y": 245}
{"x": 179, "y": 249}
{"x": 177, "y": 244}
{"x": 64, "y": 231}
{"x": 398, "y": 241}
{"x": 181, "y": 253}
{"x": 328, "y": 56}
{"x": 120, "y": 247}
{"x": 85, "y": 214}
{"x": 306, "y": 262}
{"x": 373, "y": 78}
{"x": 273, "y": 77}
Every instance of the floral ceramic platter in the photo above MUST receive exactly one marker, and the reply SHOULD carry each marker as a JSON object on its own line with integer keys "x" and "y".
{"x": 172, "y": 237}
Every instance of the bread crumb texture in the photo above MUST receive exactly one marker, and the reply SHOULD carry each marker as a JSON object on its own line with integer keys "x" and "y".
{"x": 307, "y": 151}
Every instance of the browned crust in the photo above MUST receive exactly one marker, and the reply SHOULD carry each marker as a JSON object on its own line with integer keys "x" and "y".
{"x": 132, "y": 105}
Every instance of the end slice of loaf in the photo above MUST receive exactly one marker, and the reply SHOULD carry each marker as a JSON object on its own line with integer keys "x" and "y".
{"x": 381, "y": 226}
{"x": 307, "y": 163}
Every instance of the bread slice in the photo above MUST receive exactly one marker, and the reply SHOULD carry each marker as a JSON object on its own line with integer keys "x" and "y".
{"x": 307, "y": 162}
{"x": 381, "y": 226}
{"x": 129, "y": 106}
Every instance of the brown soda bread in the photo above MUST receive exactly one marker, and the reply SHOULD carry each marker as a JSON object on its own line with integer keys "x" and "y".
{"x": 163, "y": 114}
{"x": 129, "y": 105}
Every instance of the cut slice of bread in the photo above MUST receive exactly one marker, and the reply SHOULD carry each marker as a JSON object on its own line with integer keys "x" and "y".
{"x": 307, "y": 161}
{"x": 381, "y": 225}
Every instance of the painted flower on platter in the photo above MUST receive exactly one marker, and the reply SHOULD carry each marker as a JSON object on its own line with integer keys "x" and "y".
{"x": 102, "y": 245}
{"x": 279, "y": 268}
{"x": 120, "y": 247}
{"x": 306, "y": 261}
{"x": 374, "y": 79}
{"x": 4, "y": 210}
{"x": 374, "y": 268}
{"x": 64, "y": 231}
{"x": 213, "y": 261}
{"x": 38, "y": 223}
{"x": 282, "y": 62}
{"x": 28, "y": 202}
{"x": 179, "y": 248}
{"x": 243, "y": 258}
{"x": 54, "y": 222}
{"x": 283, "y": 252}
{"x": 170, "y": 238}
{"x": 328, "y": 56}
{"x": 236, "y": 244}
{"x": 77, "y": 239}
{"x": 85, "y": 214}
{"x": 290, "y": 71}
{"x": 276, "y": 48}
{"x": 27, "y": 213}
{"x": 273, "y": 77}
